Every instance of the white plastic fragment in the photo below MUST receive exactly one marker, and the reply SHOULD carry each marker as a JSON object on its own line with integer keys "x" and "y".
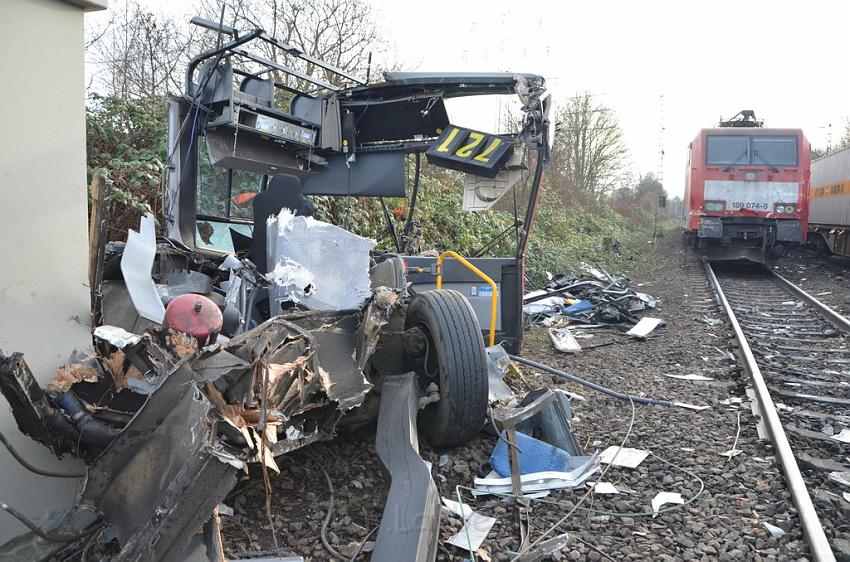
{"x": 473, "y": 533}
{"x": 136, "y": 266}
{"x": 663, "y": 498}
{"x": 774, "y": 531}
{"x": 563, "y": 340}
{"x": 644, "y": 327}
{"x": 843, "y": 437}
{"x": 461, "y": 510}
{"x": 842, "y": 478}
{"x": 690, "y": 377}
{"x": 692, "y": 407}
{"x": 731, "y": 453}
{"x": 604, "y": 488}
{"x": 119, "y": 337}
{"x": 623, "y": 456}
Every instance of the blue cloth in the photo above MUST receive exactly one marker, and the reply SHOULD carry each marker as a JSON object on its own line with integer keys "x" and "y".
{"x": 534, "y": 456}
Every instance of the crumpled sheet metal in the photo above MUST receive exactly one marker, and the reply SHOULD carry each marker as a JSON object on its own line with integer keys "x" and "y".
{"x": 160, "y": 479}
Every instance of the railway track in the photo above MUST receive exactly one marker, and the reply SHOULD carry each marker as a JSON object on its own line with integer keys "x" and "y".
{"x": 796, "y": 351}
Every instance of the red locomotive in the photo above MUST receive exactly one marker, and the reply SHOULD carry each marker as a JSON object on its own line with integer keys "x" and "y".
{"x": 746, "y": 190}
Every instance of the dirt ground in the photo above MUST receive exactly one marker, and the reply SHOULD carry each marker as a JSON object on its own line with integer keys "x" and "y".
{"x": 726, "y": 498}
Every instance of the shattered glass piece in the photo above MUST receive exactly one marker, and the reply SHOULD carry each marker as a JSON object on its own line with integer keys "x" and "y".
{"x": 182, "y": 282}
{"x": 497, "y": 364}
{"x": 336, "y": 260}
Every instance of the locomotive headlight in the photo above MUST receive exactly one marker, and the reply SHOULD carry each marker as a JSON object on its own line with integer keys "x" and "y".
{"x": 715, "y": 206}
{"x": 780, "y": 209}
{"x": 785, "y": 208}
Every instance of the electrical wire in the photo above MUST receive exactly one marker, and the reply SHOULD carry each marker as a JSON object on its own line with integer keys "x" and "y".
{"x": 31, "y": 468}
{"x": 49, "y": 537}
{"x": 363, "y": 543}
{"x": 324, "y": 530}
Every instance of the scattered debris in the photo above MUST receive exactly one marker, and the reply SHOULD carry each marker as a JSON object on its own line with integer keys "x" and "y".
{"x": 597, "y": 298}
{"x": 664, "y": 498}
{"x": 774, "y": 531}
{"x": 843, "y": 437}
{"x": 461, "y": 510}
{"x": 842, "y": 478}
{"x": 576, "y": 472}
{"x": 623, "y": 456}
{"x": 690, "y": 377}
{"x": 473, "y": 533}
{"x": 604, "y": 488}
{"x": 644, "y": 327}
{"x": 563, "y": 340}
{"x": 498, "y": 363}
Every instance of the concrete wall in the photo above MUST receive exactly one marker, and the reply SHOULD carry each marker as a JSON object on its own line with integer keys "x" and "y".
{"x": 44, "y": 298}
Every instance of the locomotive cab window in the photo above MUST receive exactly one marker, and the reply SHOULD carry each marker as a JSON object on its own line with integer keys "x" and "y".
{"x": 737, "y": 150}
{"x": 775, "y": 151}
{"x": 727, "y": 149}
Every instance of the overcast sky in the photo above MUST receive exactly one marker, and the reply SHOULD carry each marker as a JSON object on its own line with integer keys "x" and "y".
{"x": 787, "y": 60}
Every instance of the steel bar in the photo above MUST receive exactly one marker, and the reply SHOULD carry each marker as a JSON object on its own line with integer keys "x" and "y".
{"x": 812, "y": 528}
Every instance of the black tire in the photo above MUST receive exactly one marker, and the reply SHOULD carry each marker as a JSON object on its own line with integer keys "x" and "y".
{"x": 454, "y": 337}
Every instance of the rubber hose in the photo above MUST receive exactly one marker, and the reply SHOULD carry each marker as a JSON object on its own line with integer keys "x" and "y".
{"x": 92, "y": 431}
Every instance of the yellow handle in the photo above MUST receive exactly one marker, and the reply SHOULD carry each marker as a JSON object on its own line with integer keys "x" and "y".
{"x": 494, "y": 301}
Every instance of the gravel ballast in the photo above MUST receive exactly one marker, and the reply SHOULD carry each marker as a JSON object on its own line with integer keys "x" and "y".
{"x": 723, "y": 523}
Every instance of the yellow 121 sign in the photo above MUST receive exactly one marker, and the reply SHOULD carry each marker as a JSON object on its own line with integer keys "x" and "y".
{"x": 474, "y": 152}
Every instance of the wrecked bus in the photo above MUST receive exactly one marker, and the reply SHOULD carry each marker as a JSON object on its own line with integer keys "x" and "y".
{"x": 250, "y": 329}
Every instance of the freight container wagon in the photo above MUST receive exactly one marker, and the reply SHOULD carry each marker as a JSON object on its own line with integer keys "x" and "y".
{"x": 829, "y": 199}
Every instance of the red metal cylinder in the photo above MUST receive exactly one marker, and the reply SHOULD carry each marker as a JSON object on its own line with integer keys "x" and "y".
{"x": 194, "y": 315}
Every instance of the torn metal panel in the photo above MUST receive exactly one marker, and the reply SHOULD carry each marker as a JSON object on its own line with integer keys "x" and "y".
{"x": 28, "y": 401}
{"x": 383, "y": 304}
{"x": 333, "y": 260}
{"x": 162, "y": 476}
{"x": 410, "y": 523}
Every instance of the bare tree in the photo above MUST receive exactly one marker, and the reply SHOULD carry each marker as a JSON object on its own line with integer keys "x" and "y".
{"x": 138, "y": 54}
{"x": 589, "y": 153}
{"x": 340, "y": 32}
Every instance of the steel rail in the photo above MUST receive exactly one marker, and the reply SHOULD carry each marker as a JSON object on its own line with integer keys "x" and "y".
{"x": 836, "y": 319}
{"x": 812, "y": 528}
